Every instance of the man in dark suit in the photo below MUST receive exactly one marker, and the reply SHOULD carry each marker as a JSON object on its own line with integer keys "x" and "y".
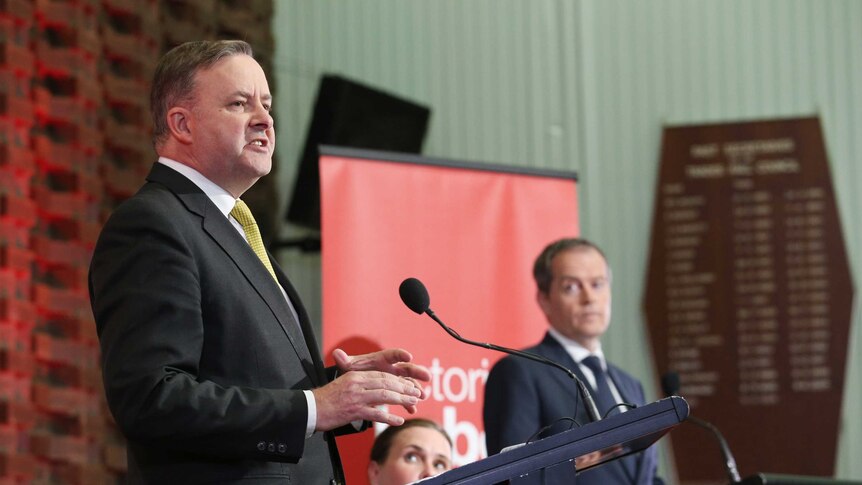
{"x": 522, "y": 396}
{"x": 210, "y": 365}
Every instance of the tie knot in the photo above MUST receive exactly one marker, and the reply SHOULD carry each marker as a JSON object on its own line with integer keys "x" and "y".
{"x": 242, "y": 214}
{"x": 594, "y": 364}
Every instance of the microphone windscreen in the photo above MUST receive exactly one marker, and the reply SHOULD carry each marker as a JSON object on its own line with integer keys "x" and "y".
{"x": 414, "y": 295}
{"x": 670, "y": 383}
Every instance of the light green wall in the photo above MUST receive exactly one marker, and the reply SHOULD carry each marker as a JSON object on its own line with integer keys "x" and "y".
{"x": 587, "y": 85}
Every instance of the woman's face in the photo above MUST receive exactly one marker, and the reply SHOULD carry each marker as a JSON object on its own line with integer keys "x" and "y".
{"x": 416, "y": 453}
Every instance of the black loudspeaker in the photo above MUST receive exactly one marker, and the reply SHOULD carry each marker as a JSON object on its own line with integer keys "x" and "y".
{"x": 349, "y": 114}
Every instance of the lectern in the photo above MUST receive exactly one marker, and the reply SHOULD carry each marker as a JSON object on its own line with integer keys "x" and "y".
{"x": 587, "y": 446}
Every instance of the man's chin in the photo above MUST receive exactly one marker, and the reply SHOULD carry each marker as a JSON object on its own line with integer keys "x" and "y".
{"x": 591, "y": 320}
{"x": 593, "y": 328}
{"x": 258, "y": 167}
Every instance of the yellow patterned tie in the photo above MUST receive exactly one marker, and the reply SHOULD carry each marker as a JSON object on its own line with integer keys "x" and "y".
{"x": 242, "y": 214}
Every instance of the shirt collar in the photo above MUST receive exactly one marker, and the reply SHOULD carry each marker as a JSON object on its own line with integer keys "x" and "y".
{"x": 577, "y": 351}
{"x": 220, "y": 197}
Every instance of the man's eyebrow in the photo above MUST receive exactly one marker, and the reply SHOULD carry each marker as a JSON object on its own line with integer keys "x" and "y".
{"x": 579, "y": 279}
{"x": 246, "y": 94}
{"x": 569, "y": 277}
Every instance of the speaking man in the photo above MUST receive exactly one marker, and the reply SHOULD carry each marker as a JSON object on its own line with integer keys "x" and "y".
{"x": 209, "y": 361}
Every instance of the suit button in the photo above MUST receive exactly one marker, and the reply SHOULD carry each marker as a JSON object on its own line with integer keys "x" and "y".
{"x": 282, "y": 448}
{"x": 271, "y": 448}
{"x": 261, "y": 445}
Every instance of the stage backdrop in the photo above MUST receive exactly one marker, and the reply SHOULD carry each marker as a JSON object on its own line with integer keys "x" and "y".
{"x": 470, "y": 233}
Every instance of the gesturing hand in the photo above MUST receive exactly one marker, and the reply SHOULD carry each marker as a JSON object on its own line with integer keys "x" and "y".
{"x": 356, "y": 396}
{"x": 391, "y": 361}
{"x": 367, "y": 381}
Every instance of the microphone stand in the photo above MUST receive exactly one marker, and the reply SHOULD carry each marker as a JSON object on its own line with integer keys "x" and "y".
{"x": 670, "y": 386}
{"x": 729, "y": 461}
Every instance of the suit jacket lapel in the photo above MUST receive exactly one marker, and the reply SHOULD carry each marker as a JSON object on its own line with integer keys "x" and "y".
{"x": 623, "y": 385}
{"x": 237, "y": 249}
{"x": 317, "y": 367}
{"x": 550, "y": 348}
{"x": 555, "y": 351}
{"x": 632, "y": 464}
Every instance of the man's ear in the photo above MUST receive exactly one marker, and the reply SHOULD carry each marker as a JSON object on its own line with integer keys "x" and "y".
{"x": 179, "y": 124}
{"x": 543, "y": 301}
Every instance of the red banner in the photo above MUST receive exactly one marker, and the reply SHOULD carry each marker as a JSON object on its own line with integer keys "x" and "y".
{"x": 470, "y": 235}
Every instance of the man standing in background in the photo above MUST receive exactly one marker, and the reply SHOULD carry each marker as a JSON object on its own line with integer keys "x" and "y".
{"x": 522, "y": 397}
{"x": 209, "y": 361}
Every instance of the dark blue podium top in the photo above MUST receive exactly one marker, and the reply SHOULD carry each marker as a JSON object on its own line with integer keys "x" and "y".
{"x": 587, "y": 446}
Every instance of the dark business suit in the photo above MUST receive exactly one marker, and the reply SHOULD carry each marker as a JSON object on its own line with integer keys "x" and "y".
{"x": 521, "y": 396}
{"x": 203, "y": 362}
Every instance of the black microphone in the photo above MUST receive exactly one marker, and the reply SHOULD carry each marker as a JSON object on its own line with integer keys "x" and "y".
{"x": 415, "y": 296}
{"x": 670, "y": 386}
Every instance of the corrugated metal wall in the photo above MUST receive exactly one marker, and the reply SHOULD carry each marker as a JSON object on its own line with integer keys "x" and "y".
{"x": 587, "y": 86}
{"x": 498, "y": 93}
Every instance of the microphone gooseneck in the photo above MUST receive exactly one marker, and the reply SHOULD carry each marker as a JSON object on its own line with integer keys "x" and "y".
{"x": 415, "y": 296}
{"x": 670, "y": 386}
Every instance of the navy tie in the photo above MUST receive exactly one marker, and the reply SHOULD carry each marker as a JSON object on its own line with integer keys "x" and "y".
{"x": 607, "y": 405}
{"x": 604, "y": 397}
